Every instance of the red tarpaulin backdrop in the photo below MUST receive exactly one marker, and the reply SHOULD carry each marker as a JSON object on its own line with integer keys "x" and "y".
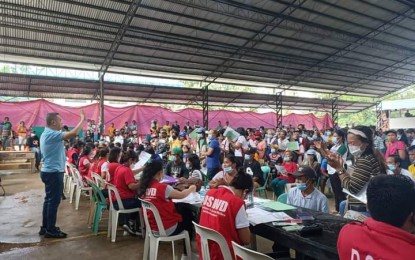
{"x": 34, "y": 114}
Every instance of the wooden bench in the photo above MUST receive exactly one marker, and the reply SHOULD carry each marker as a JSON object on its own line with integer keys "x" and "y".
{"x": 17, "y": 161}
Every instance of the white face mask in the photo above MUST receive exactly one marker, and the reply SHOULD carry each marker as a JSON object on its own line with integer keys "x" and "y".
{"x": 355, "y": 150}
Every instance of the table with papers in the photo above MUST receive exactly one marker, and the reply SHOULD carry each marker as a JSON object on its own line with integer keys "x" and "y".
{"x": 266, "y": 215}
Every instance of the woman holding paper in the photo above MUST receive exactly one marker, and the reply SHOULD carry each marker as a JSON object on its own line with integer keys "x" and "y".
{"x": 289, "y": 166}
{"x": 368, "y": 162}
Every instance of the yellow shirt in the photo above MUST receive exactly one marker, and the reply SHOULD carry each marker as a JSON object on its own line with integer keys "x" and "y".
{"x": 175, "y": 143}
{"x": 21, "y": 131}
{"x": 411, "y": 169}
{"x": 167, "y": 128}
{"x": 111, "y": 131}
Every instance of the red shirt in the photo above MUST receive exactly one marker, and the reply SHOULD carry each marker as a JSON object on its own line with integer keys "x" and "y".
{"x": 375, "y": 240}
{"x": 71, "y": 152}
{"x": 122, "y": 177}
{"x": 291, "y": 167}
{"x": 219, "y": 210}
{"x": 111, "y": 171}
{"x": 156, "y": 194}
{"x": 83, "y": 170}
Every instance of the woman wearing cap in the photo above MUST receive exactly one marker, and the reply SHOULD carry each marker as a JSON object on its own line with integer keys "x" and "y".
{"x": 340, "y": 148}
{"x": 396, "y": 147}
{"x": 230, "y": 220}
{"x": 368, "y": 162}
{"x": 311, "y": 160}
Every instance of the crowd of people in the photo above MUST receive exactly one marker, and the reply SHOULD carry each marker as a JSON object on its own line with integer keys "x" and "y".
{"x": 300, "y": 161}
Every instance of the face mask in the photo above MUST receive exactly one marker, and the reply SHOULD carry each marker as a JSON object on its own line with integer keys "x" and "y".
{"x": 32, "y": 135}
{"x": 228, "y": 170}
{"x": 247, "y": 157}
{"x": 399, "y": 137}
{"x": 188, "y": 165}
{"x": 355, "y": 150}
{"x": 304, "y": 136}
{"x": 286, "y": 159}
{"x": 210, "y": 137}
{"x": 314, "y": 137}
{"x": 200, "y": 135}
{"x": 391, "y": 167}
{"x": 273, "y": 150}
{"x": 328, "y": 133}
{"x": 302, "y": 186}
{"x": 334, "y": 140}
{"x": 173, "y": 158}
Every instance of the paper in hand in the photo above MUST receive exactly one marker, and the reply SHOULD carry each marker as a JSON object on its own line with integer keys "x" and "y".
{"x": 231, "y": 134}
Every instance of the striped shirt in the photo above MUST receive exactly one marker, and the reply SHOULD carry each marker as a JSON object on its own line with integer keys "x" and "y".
{"x": 366, "y": 166}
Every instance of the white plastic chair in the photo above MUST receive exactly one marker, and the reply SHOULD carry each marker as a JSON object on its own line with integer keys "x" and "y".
{"x": 207, "y": 234}
{"x": 115, "y": 213}
{"x": 80, "y": 187}
{"x": 152, "y": 241}
{"x": 246, "y": 254}
{"x": 99, "y": 181}
{"x": 73, "y": 184}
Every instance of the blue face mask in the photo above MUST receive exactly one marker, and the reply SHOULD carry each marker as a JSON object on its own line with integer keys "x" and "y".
{"x": 209, "y": 137}
{"x": 392, "y": 167}
{"x": 173, "y": 158}
{"x": 304, "y": 136}
{"x": 302, "y": 186}
{"x": 314, "y": 137}
{"x": 334, "y": 139}
{"x": 287, "y": 159}
{"x": 227, "y": 170}
{"x": 200, "y": 135}
{"x": 273, "y": 150}
{"x": 247, "y": 157}
{"x": 328, "y": 133}
{"x": 268, "y": 136}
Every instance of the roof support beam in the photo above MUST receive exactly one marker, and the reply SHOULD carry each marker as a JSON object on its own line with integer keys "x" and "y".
{"x": 132, "y": 10}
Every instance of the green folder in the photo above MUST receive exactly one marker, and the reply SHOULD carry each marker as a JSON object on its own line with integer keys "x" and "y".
{"x": 277, "y": 206}
{"x": 193, "y": 134}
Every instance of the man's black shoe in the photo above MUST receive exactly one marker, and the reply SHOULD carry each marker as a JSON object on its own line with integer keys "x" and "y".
{"x": 42, "y": 231}
{"x": 57, "y": 233}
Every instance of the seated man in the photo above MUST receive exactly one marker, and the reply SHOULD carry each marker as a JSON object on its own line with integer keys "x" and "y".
{"x": 388, "y": 233}
{"x": 304, "y": 194}
{"x": 176, "y": 167}
{"x": 253, "y": 168}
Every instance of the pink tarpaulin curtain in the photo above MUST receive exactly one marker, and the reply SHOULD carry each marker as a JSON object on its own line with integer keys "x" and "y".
{"x": 34, "y": 114}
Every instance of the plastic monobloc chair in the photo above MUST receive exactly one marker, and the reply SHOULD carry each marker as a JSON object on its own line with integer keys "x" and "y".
{"x": 283, "y": 198}
{"x": 100, "y": 205}
{"x": 80, "y": 187}
{"x": 266, "y": 170}
{"x": 152, "y": 241}
{"x": 247, "y": 254}
{"x": 98, "y": 180}
{"x": 207, "y": 234}
{"x": 115, "y": 213}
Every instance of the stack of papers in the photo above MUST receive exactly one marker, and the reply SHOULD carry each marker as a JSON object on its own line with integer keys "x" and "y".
{"x": 142, "y": 160}
{"x": 258, "y": 216}
{"x": 192, "y": 198}
{"x": 277, "y": 206}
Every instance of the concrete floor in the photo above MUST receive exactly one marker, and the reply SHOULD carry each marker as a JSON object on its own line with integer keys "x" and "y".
{"x": 20, "y": 218}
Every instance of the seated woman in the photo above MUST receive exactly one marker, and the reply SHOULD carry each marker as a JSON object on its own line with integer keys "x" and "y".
{"x": 290, "y": 165}
{"x": 194, "y": 165}
{"x": 100, "y": 164}
{"x": 127, "y": 186}
{"x": 230, "y": 168}
{"x": 231, "y": 219}
{"x": 161, "y": 195}
{"x": 84, "y": 161}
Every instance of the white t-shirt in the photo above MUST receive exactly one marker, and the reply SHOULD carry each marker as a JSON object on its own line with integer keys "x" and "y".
{"x": 244, "y": 143}
{"x": 119, "y": 139}
{"x": 196, "y": 174}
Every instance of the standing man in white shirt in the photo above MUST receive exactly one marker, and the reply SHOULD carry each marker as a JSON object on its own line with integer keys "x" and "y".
{"x": 304, "y": 194}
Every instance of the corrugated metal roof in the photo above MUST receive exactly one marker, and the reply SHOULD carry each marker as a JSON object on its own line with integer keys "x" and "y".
{"x": 359, "y": 47}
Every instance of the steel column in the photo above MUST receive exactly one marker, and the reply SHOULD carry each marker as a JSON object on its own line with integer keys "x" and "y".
{"x": 378, "y": 115}
{"x": 278, "y": 108}
{"x": 205, "y": 106}
{"x": 101, "y": 105}
{"x": 335, "y": 111}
